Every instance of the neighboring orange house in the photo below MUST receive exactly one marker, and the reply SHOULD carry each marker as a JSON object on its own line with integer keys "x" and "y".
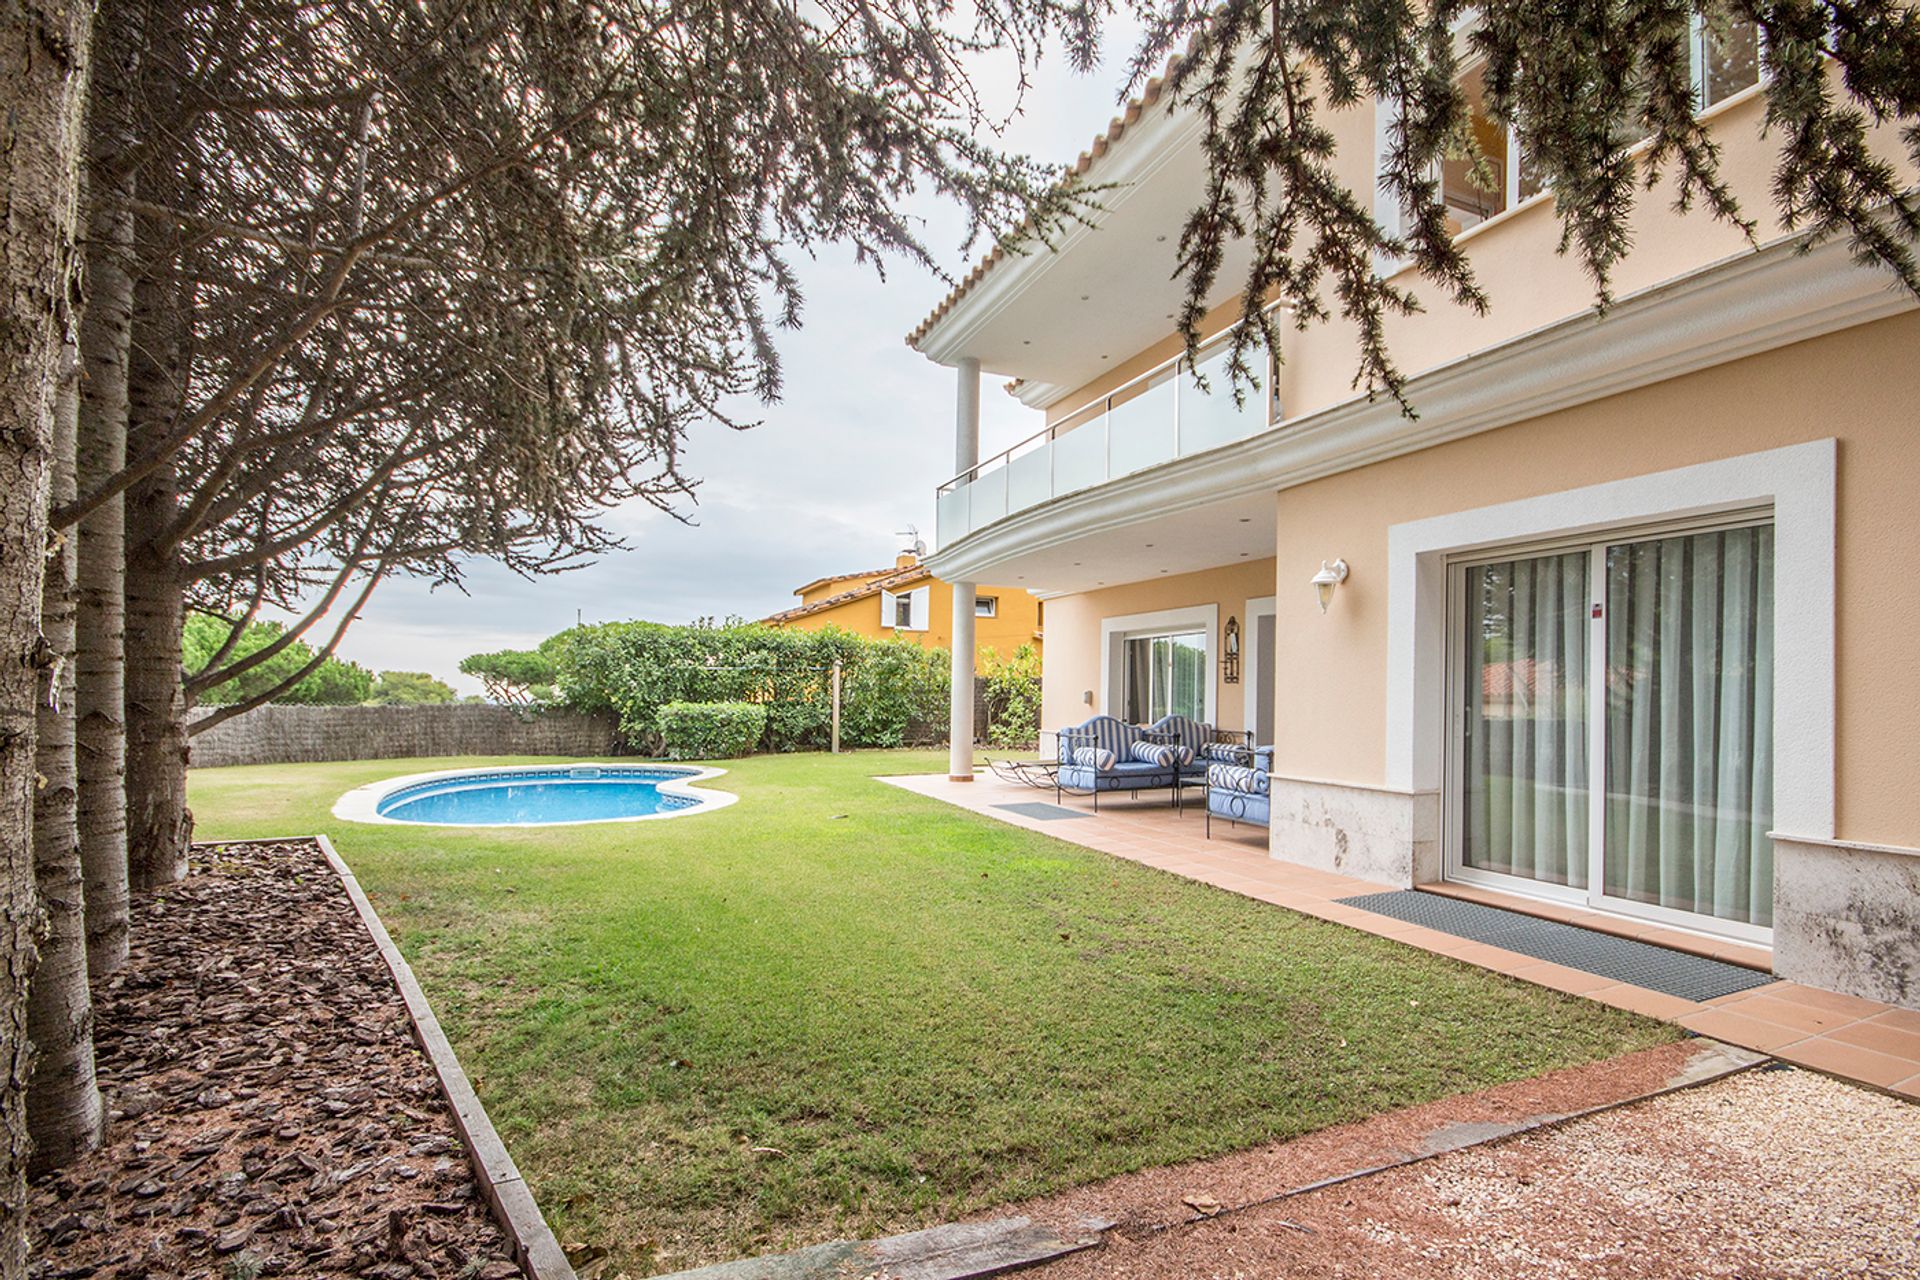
{"x": 908, "y": 601}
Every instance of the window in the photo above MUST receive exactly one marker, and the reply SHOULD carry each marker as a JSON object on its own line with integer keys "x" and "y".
{"x": 1166, "y": 675}
{"x": 907, "y": 611}
{"x": 986, "y": 606}
{"x": 1726, "y": 61}
{"x": 1477, "y": 188}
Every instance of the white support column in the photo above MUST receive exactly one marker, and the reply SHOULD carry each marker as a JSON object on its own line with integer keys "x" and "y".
{"x": 960, "y": 717}
{"x": 966, "y": 455}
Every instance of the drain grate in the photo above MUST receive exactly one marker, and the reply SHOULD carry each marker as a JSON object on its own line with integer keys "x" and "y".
{"x": 1640, "y": 964}
{"x": 1042, "y": 811}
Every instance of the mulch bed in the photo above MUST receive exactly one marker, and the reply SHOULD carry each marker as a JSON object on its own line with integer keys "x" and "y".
{"x": 271, "y": 1113}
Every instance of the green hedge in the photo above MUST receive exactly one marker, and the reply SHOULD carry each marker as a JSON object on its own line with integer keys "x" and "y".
{"x": 893, "y": 692}
{"x": 711, "y": 730}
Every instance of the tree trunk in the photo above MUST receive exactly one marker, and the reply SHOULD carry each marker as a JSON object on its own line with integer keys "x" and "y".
{"x": 158, "y": 824}
{"x": 43, "y": 46}
{"x": 64, "y": 1116}
{"x": 100, "y": 704}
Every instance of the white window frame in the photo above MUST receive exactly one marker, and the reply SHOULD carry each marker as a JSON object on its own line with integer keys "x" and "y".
{"x": 1797, "y": 482}
{"x": 986, "y": 606}
{"x": 1116, "y": 631}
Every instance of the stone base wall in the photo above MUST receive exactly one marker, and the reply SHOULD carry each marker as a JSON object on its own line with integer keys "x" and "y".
{"x": 279, "y": 734}
{"x": 1370, "y": 833}
{"x": 1847, "y": 918}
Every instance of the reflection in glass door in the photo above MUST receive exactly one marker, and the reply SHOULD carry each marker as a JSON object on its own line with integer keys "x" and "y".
{"x": 1524, "y": 731}
{"x": 1690, "y": 723}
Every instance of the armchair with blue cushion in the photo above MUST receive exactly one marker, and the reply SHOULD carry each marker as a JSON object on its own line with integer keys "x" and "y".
{"x": 1241, "y": 793}
{"x": 1205, "y": 744}
{"x": 1106, "y": 754}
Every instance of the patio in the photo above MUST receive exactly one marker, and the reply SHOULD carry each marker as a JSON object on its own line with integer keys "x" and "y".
{"x": 1860, "y": 1040}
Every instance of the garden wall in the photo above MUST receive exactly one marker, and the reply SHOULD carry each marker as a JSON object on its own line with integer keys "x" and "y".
{"x": 283, "y": 734}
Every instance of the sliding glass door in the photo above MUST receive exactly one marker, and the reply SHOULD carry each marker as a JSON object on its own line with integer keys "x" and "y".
{"x": 1639, "y": 671}
{"x": 1166, "y": 675}
{"x": 1690, "y": 724}
{"x": 1524, "y": 736}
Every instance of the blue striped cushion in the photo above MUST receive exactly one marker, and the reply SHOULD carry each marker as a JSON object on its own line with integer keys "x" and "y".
{"x": 1098, "y": 758}
{"x": 1224, "y": 753}
{"x": 1167, "y": 755}
{"x": 1232, "y": 777}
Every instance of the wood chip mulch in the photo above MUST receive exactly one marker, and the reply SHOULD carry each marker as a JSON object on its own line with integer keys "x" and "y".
{"x": 271, "y": 1113}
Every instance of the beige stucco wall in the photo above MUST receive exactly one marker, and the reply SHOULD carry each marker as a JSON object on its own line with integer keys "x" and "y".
{"x": 1073, "y": 635}
{"x": 1514, "y": 259}
{"x": 1859, "y": 386}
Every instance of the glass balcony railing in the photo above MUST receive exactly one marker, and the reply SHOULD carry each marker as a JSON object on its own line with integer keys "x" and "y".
{"x": 1161, "y": 415}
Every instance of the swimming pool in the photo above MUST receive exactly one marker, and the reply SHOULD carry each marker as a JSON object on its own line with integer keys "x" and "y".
{"x": 534, "y": 796}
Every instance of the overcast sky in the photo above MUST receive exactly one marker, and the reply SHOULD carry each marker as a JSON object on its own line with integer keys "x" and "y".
{"x": 849, "y": 456}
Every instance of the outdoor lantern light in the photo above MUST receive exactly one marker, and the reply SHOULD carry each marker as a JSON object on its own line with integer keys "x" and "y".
{"x": 1230, "y": 664}
{"x": 1329, "y": 577}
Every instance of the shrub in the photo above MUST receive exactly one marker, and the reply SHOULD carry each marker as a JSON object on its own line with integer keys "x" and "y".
{"x": 1013, "y": 698}
{"x": 894, "y": 694}
{"x": 710, "y": 730}
{"x": 892, "y": 690}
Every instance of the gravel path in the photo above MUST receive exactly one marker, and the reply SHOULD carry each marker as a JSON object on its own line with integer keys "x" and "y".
{"x": 1770, "y": 1174}
{"x": 271, "y": 1114}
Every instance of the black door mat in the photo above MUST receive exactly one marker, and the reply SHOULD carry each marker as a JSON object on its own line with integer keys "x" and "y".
{"x": 1044, "y": 812}
{"x": 1639, "y": 964}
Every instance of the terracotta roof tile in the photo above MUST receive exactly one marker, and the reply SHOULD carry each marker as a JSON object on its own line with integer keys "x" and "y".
{"x": 913, "y": 573}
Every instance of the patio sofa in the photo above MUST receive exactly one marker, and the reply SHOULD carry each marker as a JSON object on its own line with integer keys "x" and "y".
{"x": 1107, "y": 754}
{"x": 1241, "y": 793}
{"x": 1209, "y": 745}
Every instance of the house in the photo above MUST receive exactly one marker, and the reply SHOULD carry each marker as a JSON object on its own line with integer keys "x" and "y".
{"x": 907, "y": 601}
{"x": 1625, "y": 619}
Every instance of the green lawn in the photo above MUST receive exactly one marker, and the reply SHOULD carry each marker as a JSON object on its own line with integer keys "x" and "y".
{"x": 920, "y": 1011}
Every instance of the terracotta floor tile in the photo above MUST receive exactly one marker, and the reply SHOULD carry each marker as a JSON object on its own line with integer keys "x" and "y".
{"x": 1851, "y": 1061}
{"x": 1909, "y": 1088}
{"x": 1734, "y": 1028}
{"x": 1651, "y": 1004}
{"x": 1905, "y": 1019}
{"x": 1559, "y": 977}
{"x": 1738, "y": 997}
{"x": 1881, "y": 1037}
{"x": 1805, "y": 1019}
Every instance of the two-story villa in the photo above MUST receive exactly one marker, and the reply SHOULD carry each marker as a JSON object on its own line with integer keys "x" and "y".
{"x": 1626, "y": 618}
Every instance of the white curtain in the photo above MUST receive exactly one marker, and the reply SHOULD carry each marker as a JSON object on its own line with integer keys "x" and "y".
{"x": 1690, "y": 723}
{"x": 1526, "y": 750}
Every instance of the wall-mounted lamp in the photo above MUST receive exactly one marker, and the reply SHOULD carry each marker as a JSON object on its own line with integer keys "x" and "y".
{"x": 1329, "y": 577}
{"x": 1230, "y": 647}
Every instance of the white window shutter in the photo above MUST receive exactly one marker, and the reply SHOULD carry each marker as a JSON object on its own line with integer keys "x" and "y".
{"x": 887, "y": 614}
{"x": 923, "y": 608}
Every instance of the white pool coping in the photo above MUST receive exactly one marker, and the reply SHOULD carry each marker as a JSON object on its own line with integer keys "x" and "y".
{"x": 362, "y": 804}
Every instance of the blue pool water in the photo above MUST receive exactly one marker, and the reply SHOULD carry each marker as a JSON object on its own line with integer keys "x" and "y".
{"x": 512, "y": 796}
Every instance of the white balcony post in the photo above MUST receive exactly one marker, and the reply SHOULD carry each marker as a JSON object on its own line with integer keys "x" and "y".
{"x": 966, "y": 456}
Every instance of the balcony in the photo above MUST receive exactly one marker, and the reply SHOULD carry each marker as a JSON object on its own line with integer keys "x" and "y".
{"x": 1154, "y": 418}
